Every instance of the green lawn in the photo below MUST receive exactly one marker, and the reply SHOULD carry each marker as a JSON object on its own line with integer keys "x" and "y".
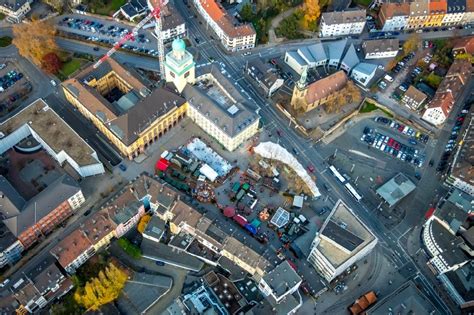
{"x": 370, "y": 107}
{"x": 129, "y": 248}
{"x": 70, "y": 67}
{"x": 5, "y": 41}
{"x": 364, "y": 3}
{"x": 108, "y": 9}
{"x": 2, "y": 16}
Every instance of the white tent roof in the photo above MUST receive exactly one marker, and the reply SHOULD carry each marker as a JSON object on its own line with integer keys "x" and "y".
{"x": 207, "y": 171}
{"x": 270, "y": 150}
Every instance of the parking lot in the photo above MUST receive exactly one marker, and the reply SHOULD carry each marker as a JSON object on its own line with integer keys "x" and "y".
{"x": 14, "y": 87}
{"x": 371, "y": 152}
{"x": 106, "y": 32}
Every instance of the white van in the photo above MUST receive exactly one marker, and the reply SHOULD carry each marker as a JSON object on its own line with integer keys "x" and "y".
{"x": 388, "y": 78}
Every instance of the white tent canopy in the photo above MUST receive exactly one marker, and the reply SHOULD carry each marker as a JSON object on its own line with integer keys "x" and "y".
{"x": 207, "y": 171}
{"x": 270, "y": 150}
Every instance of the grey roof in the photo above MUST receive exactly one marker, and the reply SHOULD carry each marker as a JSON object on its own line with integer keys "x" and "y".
{"x": 13, "y": 4}
{"x": 302, "y": 244}
{"x": 294, "y": 54}
{"x": 45, "y": 275}
{"x": 350, "y": 59}
{"x": 341, "y": 17}
{"x": 155, "y": 227}
{"x": 282, "y": 278}
{"x": 264, "y": 72}
{"x": 287, "y": 305}
{"x": 366, "y": 68}
{"x": 217, "y": 109}
{"x": 462, "y": 200}
{"x": 336, "y": 49}
{"x": 318, "y": 52}
{"x": 448, "y": 244}
{"x": 10, "y": 200}
{"x": 452, "y": 215}
{"x": 305, "y": 53}
{"x": 171, "y": 17}
{"x": 396, "y": 189}
{"x": 462, "y": 280}
{"x": 342, "y": 236}
{"x": 456, "y": 6}
{"x": 142, "y": 292}
{"x": 42, "y": 204}
{"x": 145, "y": 112}
{"x": 380, "y": 45}
{"x": 407, "y": 299}
{"x": 6, "y": 237}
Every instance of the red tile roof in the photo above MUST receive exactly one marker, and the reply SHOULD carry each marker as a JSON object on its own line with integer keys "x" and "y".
{"x": 71, "y": 247}
{"x": 325, "y": 87}
{"x": 444, "y": 101}
{"x": 225, "y": 21}
{"x": 389, "y": 10}
{"x": 438, "y": 6}
{"x": 465, "y": 44}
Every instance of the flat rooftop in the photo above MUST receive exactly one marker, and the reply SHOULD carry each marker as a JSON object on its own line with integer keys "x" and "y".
{"x": 406, "y": 300}
{"x": 53, "y": 130}
{"x": 343, "y": 229}
{"x": 396, "y": 189}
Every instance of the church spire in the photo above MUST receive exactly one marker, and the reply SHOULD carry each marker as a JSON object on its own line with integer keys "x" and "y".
{"x": 302, "y": 82}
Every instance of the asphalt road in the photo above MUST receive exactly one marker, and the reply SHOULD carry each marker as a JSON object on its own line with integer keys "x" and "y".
{"x": 309, "y": 154}
{"x": 388, "y": 239}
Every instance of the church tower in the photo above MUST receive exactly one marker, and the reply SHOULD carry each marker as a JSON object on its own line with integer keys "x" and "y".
{"x": 299, "y": 91}
{"x": 179, "y": 65}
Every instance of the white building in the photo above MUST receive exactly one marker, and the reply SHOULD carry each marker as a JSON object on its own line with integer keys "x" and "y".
{"x": 363, "y": 73}
{"x": 179, "y": 66}
{"x": 295, "y": 61}
{"x": 380, "y": 48}
{"x": 233, "y": 36}
{"x": 265, "y": 76}
{"x": 280, "y": 282}
{"x": 342, "y": 241}
{"x": 342, "y": 23}
{"x": 444, "y": 248}
{"x": 53, "y": 134}
{"x": 173, "y": 24}
{"x": 394, "y": 16}
{"x": 439, "y": 108}
{"x": 455, "y": 13}
{"x": 15, "y": 10}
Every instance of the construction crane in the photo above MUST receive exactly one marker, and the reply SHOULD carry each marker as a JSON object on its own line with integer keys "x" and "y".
{"x": 158, "y": 5}
{"x": 155, "y": 8}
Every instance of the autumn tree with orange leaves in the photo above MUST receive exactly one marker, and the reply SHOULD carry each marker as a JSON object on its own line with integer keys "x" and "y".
{"x": 34, "y": 40}
{"x": 311, "y": 11}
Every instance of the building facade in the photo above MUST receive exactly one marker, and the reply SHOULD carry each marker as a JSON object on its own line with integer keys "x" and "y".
{"x": 342, "y": 241}
{"x": 134, "y": 121}
{"x": 419, "y": 13}
{"x": 308, "y": 97}
{"x": 380, "y": 48}
{"x": 413, "y": 98}
{"x": 179, "y": 66}
{"x": 394, "y": 16}
{"x": 49, "y": 222}
{"x": 342, "y": 23}
{"x": 233, "y": 36}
